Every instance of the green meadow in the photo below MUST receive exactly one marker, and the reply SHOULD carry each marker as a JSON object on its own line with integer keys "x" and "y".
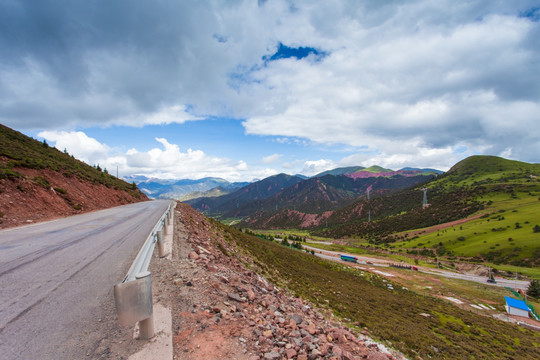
{"x": 504, "y": 235}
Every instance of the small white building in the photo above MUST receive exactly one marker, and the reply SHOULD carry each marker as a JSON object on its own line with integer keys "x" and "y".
{"x": 516, "y": 307}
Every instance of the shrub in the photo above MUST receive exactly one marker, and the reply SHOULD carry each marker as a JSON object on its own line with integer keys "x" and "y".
{"x": 9, "y": 174}
{"x": 43, "y": 182}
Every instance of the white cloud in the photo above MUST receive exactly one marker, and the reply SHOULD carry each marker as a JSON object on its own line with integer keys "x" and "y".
{"x": 444, "y": 85}
{"x": 270, "y": 159}
{"x": 420, "y": 157}
{"x": 178, "y": 114}
{"x": 314, "y": 167}
{"x": 78, "y": 144}
{"x": 169, "y": 162}
{"x": 291, "y": 165}
{"x": 165, "y": 162}
{"x": 260, "y": 174}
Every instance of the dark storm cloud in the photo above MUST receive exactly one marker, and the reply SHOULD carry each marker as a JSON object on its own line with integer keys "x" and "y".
{"x": 144, "y": 55}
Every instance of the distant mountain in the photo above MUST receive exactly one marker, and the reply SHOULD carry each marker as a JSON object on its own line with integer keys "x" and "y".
{"x": 454, "y": 195}
{"x": 313, "y": 195}
{"x": 178, "y": 189}
{"x": 340, "y": 171}
{"x": 377, "y": 171}
{"x": 255, "y": 191}
{"x": 310, "y": 202}
{"x": 215, "y": 192}
{"x": 425, "y": 170}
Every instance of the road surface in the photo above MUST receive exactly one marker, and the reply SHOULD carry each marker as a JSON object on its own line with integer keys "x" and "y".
{"x": 56, "y": 280}
{"x": 335, "y": 256}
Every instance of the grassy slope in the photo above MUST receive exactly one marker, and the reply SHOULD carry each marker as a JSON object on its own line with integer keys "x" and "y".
{"x": 393, "y": 315}
{"x": 496, "y": 232}
{"x": 504, "y": 235}
{"x": 376, "y": 169}
{"x": 23, "y": 151}
{"x": 510, "y": 192}
{"x": 476, "y": 170}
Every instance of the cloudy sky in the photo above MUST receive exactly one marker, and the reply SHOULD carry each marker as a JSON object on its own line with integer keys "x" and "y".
{"x": 247, "y": 89}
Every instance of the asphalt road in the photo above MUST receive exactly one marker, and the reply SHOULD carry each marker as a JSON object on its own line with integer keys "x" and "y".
{"x": 57, "y": 278}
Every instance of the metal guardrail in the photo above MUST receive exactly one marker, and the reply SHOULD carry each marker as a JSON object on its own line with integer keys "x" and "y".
{"x": 133, "y": 296}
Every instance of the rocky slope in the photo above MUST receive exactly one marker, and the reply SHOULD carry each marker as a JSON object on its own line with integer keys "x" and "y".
{"x": 223, "y": 309}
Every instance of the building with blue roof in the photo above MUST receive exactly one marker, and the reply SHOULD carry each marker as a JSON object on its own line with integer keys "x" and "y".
{"x": 516, "y": 307}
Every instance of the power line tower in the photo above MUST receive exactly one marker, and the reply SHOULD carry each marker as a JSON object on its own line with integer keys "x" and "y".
{"x": 424, "y": 201}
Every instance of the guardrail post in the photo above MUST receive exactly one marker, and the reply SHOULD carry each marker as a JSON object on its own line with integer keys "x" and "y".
{"x": 146, "y": 329}
{"x": 146, "y": 326}
{"x": 160, "y": 243}
{"x": 133, "y": 301}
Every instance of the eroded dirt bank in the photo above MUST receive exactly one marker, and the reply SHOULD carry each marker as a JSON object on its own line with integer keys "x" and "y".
{"x": 23, "y": 201}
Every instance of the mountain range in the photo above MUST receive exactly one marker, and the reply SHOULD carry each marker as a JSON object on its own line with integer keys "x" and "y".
{"x": 189, "y": 189}
{"x": 324, "y": 192}
{"x": 183, "y": 189}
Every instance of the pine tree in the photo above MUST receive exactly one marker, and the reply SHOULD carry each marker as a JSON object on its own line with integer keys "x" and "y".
{"x": 534, "y": 289}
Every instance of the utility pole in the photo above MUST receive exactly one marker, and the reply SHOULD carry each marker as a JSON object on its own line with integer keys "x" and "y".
{"x": 369, "y": 206}
{"x": 424, "y": 200}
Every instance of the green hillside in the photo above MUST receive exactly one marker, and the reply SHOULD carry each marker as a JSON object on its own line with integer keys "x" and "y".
{"x": 376, "y": 169}
{"x": 341, "y": 171}
{"x": 18, "y": 150}
{"x": 488, "y": 170}
{"x": 398, "y": 212}
{"x": 508, "y": 233}
{"x": 502, "y": 198}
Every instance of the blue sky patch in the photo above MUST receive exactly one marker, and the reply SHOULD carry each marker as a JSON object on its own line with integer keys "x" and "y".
{"x": 532, "y": 13}
{"x": 285, "y": 52}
